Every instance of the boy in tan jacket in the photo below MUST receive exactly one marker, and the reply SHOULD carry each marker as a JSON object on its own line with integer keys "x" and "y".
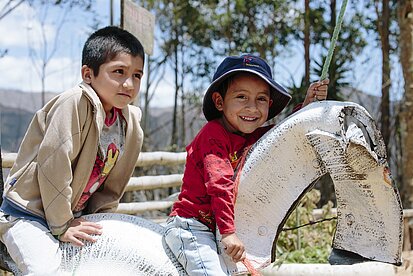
{"x": 76, "y": 157}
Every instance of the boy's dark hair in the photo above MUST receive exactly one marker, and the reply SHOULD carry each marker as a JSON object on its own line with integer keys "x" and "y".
{"x": 223, "y": 87}
{"x": 104, "y": 44}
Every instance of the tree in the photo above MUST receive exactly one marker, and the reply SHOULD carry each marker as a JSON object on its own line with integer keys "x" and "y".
{"x": 307, "y": 42}
{"x": 8, "y": 7}
{"x": 349, "y": 44}
{"x": 263, "y": 27}
{"x": 184, "y": 30}
{"x": 41, "y": 58}
{"x": 405, "y": 19}
{"x": 383, "y": 27}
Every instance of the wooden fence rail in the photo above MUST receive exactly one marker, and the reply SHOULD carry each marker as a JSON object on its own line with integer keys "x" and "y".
{"x": 147, "y": 159}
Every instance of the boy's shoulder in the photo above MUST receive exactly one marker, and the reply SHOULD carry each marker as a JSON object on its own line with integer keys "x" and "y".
{"x": 211, "y": 130}
{"x": 74, "y": 100}
{"x": 72, "y": 93}
{"x": 212, "y": 127}
{"x": 67, "y": 97}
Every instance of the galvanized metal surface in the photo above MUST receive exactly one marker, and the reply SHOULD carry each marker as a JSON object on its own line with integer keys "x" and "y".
{"x": 129, "y": 245}
{"x": 339, "y": 138}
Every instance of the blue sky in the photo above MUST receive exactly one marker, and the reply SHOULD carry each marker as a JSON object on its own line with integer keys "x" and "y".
{"x": 20, "y": 33}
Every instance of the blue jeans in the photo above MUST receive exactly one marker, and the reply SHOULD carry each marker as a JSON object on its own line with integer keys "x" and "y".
{"x": 195, "y": 247}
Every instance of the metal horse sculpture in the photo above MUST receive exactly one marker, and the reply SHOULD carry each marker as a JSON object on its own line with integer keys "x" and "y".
{"x": 336, "y": 138}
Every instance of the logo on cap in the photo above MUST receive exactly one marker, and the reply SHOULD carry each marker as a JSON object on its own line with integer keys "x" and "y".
{"x": 250, "y": 61}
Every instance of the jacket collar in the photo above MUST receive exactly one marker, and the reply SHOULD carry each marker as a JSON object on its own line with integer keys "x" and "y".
{"x": 91, "y": 94}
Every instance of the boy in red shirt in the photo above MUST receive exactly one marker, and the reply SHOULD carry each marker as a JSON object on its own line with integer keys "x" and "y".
{"x": 241, "y": 98}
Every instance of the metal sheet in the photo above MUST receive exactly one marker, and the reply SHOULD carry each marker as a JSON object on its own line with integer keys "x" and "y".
{"x": 339, "y": 138}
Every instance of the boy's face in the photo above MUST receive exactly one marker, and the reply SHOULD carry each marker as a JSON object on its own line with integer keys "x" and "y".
{"x": 118, "y": 82}
{"x": 245, "y": 105}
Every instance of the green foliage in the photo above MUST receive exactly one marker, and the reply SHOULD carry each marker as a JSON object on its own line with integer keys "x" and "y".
{"x": 372, "y": 11}
{"x": 337, "y": 75}
{"x": 263, "y": 27}
{"x": 350, "y": 43}
{"x": 309, "y": 244}
{"x": 298, "y": 93}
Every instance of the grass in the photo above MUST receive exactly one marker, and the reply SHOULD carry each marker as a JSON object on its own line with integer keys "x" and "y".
{"x": 309, "y": 244}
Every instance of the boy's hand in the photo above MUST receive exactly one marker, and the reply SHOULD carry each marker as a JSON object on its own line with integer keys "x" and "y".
{"x": 316, "y": 92}
{"x": 233, "y": 247}
{"x": 81, "y": 229}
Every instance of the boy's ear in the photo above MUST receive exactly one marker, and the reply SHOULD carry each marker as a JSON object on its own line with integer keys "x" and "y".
{"x": 87, "y": 74}
{"x": 218, "y": 101}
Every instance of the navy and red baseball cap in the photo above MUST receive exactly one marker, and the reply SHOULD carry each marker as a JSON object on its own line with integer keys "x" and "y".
{"x": 245, "y": 63}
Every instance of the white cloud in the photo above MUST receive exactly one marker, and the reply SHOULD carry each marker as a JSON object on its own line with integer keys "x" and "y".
{"x": 13, "y": 27}
{"x": 21, "y": 33}
{"x": 62, "y": 73}
{"x": 164, "y": 96}
{"x": 13, "y": 71}
{"x": 19, "y": 73}
{"x": 22, "y": 30}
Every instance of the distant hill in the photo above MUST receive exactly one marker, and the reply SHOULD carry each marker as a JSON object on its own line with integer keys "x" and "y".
{"x": 370, "y": 102}
{"x": 17, "y": 109}
{"x": 20, "y": 100}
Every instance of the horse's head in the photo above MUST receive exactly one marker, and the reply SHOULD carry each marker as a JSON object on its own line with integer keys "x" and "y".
{"x": 335, "y": 138}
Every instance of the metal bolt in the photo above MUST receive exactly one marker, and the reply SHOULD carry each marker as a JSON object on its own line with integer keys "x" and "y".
{"x": 262, "y": 231}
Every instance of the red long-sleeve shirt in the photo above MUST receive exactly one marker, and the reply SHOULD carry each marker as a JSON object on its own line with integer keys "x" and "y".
{"x": 207, "y": 192}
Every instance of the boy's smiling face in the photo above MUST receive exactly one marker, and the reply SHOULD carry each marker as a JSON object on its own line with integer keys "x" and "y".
{"x": 118, "y": 81}
{"x": 245, "y": 105}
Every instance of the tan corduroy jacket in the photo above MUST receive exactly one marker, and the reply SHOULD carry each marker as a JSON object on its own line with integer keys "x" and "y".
{"x": 57, "y": 154}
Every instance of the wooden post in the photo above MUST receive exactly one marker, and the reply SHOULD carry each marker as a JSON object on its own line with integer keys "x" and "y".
{"x": 122, "y": 4}
{"x": 1, "y": 178}
{"x": 407, "y": 245}
{"x": 111, "y": 12}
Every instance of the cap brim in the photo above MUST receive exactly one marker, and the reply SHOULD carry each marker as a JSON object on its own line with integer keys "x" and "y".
{"x": 278, "y": 94}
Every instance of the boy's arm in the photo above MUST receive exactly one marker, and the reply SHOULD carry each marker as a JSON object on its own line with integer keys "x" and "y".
{"x": 81, "y": 230}
{"x": 60, "y": 146}
{"x": 218, "y": 174}
{"x": 317, "y": 91}
{"x": 233, "y": 247}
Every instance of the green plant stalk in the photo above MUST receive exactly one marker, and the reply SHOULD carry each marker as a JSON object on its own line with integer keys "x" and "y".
{"x": 333, "y": 40}
{"x": 297, "y": 221}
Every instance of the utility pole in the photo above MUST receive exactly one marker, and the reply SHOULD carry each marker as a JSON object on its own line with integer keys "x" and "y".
{"x": 122, "y": 4}
{"x": 111, "y": 12}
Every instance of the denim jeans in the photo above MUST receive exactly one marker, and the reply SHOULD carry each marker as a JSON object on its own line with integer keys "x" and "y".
{"x": 195, "y": 247}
